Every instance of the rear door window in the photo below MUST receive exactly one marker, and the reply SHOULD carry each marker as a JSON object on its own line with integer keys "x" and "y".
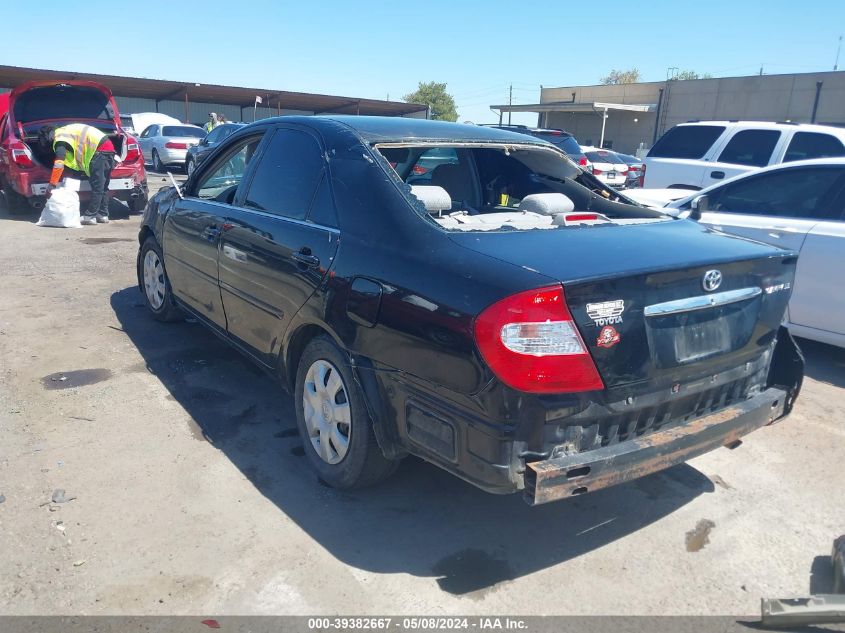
{"x": 813, "y": 145}
{"x": 686, "y": 141}
{"x": 795, "y": 193}
{"x": 750, "y": 147}
{"x": 287, "y": 176}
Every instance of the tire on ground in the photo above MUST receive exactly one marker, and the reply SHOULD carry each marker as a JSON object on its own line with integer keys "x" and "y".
{"x": 168, "y": 310}
{"x": 364, "y": 464}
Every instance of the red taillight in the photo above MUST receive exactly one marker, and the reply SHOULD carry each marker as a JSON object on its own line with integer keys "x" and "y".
{"x": 174, "y": 145}
{"x": 133, "y": 152}
{"x": 642, "y": 176}
{"x": 419, "y": 170}
{"x": 583, "y": 162}
{"x": 21, "y": 155}
{"x": 597, "y": 172}
{"x": 531, "y": 343}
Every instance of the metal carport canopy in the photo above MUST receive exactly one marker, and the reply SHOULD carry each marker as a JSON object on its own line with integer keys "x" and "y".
{"x": 570, "y": 106}
{"x": 162, "y": 90}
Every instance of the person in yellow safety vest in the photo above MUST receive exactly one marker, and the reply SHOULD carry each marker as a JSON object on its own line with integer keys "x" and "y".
{"x": 82, "y": 148}
{"x": 212, "y": 122}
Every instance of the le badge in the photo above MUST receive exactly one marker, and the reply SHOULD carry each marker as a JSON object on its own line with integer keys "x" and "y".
{"x": 608, "y": 337}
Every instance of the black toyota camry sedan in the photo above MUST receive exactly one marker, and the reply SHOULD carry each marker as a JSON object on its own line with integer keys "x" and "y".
{"x": 470, "y": 296}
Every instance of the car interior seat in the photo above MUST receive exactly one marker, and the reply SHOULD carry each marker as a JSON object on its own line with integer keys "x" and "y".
{"x": 458, "y": 181}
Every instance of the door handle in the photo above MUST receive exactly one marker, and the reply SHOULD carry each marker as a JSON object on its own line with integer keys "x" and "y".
{"x": 211, "y": 233}
{"x": 718, "y": 175}
{"x": 304, "y": 257}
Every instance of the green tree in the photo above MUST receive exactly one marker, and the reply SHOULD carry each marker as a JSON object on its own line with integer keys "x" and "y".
{"x": 691, "y": 74}
{"x": 630, "y": 76}
{"x": 434, "y": 95}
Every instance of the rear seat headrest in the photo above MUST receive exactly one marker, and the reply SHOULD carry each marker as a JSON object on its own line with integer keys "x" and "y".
{"x": 547, "y": 203}
{"x": 435, "y": 199}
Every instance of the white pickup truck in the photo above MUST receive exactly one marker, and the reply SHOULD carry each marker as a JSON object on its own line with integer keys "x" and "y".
{"x": 698, "y": 154}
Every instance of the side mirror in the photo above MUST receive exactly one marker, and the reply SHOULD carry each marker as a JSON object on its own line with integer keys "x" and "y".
{"x": 698, "y": 206}
{"x": 204, "y": 141}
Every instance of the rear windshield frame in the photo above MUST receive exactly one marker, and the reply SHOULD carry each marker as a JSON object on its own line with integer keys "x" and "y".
{"x": 195, "y": 132}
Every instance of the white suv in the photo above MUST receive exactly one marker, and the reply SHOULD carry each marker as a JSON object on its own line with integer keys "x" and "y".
{"x": 698, "y": 154}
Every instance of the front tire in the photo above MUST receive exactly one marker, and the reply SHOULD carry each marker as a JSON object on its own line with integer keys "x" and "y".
{"x": 189, "y": 166}
{"x": 157, "y": 164}
{"x": 152, "y": 277}
{"x": 333, "y": 421}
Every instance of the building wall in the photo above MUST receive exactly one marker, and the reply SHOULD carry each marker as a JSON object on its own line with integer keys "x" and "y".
{"x": 754, "y": 98}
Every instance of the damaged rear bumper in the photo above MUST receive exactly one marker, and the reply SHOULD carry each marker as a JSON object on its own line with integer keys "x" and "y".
{"x": 562, "y": 477}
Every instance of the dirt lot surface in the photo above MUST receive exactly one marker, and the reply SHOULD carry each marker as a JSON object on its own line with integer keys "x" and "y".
{"x": 185, "y": 490}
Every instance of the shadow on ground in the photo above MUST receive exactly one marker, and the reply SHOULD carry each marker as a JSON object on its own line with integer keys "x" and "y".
{"x": 825, "y": 363}
{"x": 422, "y": 521}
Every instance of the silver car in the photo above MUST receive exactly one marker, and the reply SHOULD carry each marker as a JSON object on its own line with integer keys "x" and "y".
{"x": 800, "y": 206}
{"x": 164, "y": 145}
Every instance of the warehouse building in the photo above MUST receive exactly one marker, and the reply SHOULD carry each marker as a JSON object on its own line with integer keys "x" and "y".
{"x": 628, "y": 117}
{"x": 191, "y": 102}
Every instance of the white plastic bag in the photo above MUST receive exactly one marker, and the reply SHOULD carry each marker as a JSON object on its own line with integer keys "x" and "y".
{"x": 62, "y": 208}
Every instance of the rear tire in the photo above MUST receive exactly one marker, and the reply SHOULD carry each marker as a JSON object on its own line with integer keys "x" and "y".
{"x": 189, "y": 166}
{"x": 333, "y": 422}
{"x": 157, "y": 164}
{"x": 152, "y": 277}
{"x": 16, "y": 204}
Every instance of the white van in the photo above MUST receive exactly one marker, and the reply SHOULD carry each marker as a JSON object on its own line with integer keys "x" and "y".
{"x": 698, "y": 154}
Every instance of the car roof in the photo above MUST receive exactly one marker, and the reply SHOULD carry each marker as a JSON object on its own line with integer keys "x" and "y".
{"x": 773, "y": 125}
{"x": 834, "y": 160}
{"x": 375, "y": 129}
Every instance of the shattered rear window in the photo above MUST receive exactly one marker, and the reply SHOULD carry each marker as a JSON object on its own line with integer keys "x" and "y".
{"x": 489, "y": 187}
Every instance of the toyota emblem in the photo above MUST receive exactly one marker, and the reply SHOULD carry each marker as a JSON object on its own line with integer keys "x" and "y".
{"x": 712, "y": 280}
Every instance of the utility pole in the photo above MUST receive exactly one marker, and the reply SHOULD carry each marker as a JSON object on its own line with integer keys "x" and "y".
{"x": 761, "y": 70}
{"x": 838, "y": 49}
{"x": 510, "y": 102}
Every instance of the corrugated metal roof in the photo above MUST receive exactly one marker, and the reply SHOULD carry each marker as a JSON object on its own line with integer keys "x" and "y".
{"x": 161, "y": 90}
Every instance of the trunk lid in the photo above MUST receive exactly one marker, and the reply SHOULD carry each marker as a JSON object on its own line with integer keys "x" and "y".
{"x": 44, "y": 101}
{"x": 638, "y": 297}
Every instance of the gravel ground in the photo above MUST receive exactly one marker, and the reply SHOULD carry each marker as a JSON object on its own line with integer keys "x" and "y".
{"x": 185, "y": 490}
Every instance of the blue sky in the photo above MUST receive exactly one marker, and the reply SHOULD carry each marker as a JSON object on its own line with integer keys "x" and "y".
{"x": 376, "y": 49}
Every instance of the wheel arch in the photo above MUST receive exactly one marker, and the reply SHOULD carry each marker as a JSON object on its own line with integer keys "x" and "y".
{"x": 363, "y": 373}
